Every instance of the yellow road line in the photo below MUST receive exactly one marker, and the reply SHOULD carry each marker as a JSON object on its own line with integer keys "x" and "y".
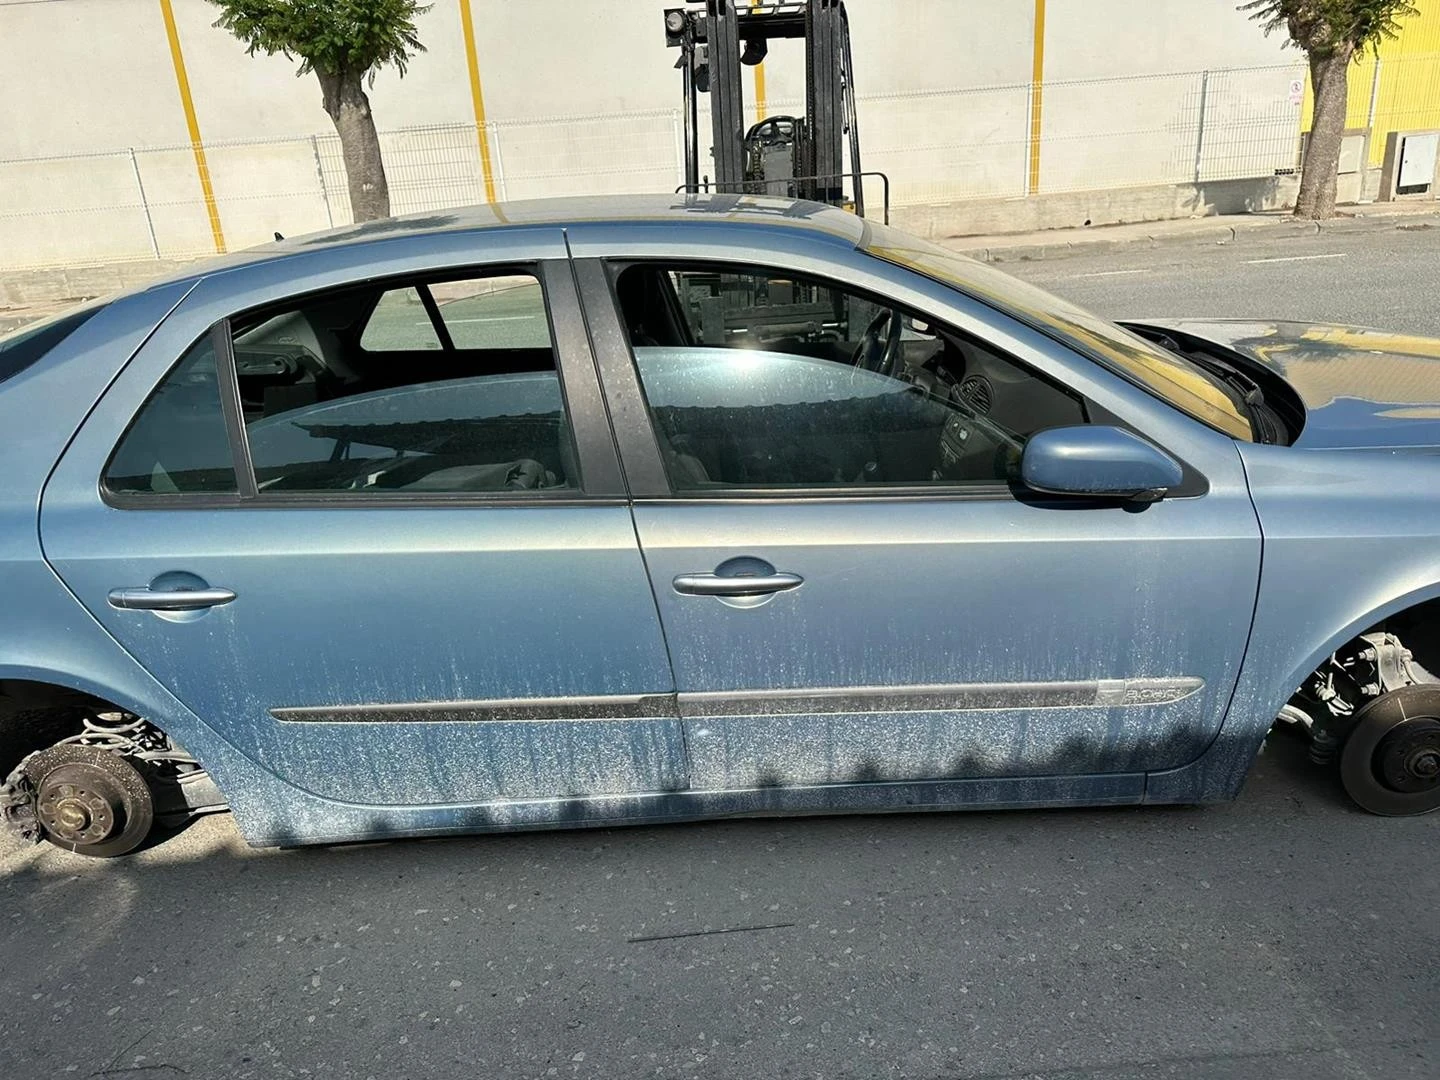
{"x": 487, "y": 170}
{"x": 1037, "y": 84}
{"x": 202, "y": 167}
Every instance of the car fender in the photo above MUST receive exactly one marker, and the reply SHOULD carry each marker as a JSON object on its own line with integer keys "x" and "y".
{"x": 1350, "y": 538}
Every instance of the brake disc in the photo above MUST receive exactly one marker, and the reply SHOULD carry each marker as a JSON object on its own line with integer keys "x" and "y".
{"x": 88, "y": 800}
{"x": 1391, "y": 762}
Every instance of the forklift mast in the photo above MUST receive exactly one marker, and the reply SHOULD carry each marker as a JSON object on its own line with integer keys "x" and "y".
{"x": 803, "y": 157}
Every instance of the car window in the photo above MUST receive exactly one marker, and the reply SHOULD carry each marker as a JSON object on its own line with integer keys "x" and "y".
{"x": 343, "y": 394}
{"x": 399, "y": 323}
{"x": 1164, "y": 374}
{"x": 475, "y": 313}
{"x": 22, "y": 348}
{"x": 178, "y": 443}
{"x": 761, "y": 380}
{"x": 486, "y": 312}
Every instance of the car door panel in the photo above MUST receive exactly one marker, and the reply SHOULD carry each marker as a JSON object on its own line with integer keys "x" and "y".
{"x": 457, "y": 618}
{"x": 390, "y": 650}
{"x": 962, "y": 638}
{"x": 941, "y": 633}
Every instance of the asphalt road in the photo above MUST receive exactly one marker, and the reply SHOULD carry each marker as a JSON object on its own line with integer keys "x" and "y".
{"x": 1282, "y": 936}
{"x": 1386, "y": 278}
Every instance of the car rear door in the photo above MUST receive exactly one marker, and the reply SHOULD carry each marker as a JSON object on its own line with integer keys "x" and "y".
{"x": 387, "y": 615}
{"x": 906, "y": 632}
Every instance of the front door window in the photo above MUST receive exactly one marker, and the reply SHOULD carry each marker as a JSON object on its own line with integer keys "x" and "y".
{"x": 757, "y": 379}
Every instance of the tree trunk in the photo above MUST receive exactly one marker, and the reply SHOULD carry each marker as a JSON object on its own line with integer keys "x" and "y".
{"x": 349, "y": 108}
{"x": 1330, "y": 77}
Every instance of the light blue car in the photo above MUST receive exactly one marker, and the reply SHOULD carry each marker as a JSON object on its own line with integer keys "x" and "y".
{"x": 639, "y": 510}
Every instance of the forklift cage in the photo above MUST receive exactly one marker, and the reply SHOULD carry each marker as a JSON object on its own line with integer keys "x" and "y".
{"x": 710, "y": 61}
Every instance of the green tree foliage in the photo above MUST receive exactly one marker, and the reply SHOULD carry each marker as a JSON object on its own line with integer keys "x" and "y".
{"x": 1332, "y": 33}
{"x": 344, "y": 42}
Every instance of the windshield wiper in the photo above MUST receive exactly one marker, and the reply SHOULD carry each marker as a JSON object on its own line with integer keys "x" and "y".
{"x": 1263, "y": 422}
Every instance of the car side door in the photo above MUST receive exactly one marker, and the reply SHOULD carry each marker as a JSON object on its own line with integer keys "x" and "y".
{"x": 912, "y": 613}
{"x": 371, "y": 528}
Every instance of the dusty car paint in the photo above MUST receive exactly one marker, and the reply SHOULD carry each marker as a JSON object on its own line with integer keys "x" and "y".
{"x": 1361, "y": 387}
{"x": 440, "y": 668}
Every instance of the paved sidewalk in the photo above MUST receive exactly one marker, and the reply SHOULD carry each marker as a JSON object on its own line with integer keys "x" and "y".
{"x": 1200, "y": 231}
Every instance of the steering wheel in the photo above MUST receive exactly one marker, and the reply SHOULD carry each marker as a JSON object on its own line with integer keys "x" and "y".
{"x": 879, "y": 346}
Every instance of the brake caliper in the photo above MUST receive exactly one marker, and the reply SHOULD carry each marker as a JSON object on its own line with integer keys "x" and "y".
{"x": 1357, "y": 673}
{"x": 17, "y": 804}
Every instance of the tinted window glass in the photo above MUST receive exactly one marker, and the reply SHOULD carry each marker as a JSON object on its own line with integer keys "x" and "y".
{"x": 399, "y": 322}
{"x": 492, "y": 312}
{"x": 755, "y": 379}
{"x": 178, "y": 442}
{"x": 25, "y": 346}
{"x": 360, "y": 392}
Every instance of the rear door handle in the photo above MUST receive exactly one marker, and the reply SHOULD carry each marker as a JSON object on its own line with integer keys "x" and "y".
{"x": 717, "y": 585}
{"x": 143, "y": 599}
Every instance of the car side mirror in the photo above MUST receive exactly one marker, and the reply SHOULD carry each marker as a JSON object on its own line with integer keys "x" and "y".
{"x": 1097, "y": 460}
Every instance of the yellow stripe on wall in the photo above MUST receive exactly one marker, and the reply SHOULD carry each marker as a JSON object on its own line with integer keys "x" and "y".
{"x": 487, "y": 170}
{"x": 760, "y": 107}
{"x": 1037, "y": 85}
{"x": 202, "y": 167}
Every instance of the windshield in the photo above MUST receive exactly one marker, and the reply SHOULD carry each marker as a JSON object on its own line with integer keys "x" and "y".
{"x": 1166, "y": 375}
{"x": 22, "y": 348}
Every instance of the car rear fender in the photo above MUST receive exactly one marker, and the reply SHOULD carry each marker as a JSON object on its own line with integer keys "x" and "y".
{"x": 43, "y": 406}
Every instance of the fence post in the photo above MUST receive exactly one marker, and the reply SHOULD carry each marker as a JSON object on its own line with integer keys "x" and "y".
{"x": 144, "y": 204}
{"x": 1370, "y": 126}
{"x": 492, "y": 131}
{"x": 320, "y": 175}
{"x": 1200, "y": 127}
{"x": 1025, "y": 158}
{"x": 679, "y": 146}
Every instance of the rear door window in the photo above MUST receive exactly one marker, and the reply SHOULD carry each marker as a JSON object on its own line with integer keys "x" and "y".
{"x": 368, "y": 390}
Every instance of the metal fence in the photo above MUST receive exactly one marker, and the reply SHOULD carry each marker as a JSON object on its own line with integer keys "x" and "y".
{"x": 936, "y": 146}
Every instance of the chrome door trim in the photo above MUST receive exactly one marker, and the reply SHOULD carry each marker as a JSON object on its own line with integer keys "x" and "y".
{"x": 958, "y": 697}
{"x": 495, "y": 710}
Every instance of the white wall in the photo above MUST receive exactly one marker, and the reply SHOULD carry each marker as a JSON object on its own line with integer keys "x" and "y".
{"x": 583, "y": 97}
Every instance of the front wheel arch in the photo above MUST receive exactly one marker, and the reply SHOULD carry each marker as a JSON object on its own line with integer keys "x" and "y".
{"x": 1219, "y": 772}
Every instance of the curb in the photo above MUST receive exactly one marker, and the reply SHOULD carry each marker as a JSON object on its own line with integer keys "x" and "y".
{"x": 1202, "y": 235}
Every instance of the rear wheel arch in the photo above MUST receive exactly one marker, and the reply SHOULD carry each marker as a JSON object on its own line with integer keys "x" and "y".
{"x": 34, "y": 703}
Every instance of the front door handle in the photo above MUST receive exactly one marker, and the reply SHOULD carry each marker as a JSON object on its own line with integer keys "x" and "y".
{"x": 717, "y": 585}
{"x": 144, "y": 599}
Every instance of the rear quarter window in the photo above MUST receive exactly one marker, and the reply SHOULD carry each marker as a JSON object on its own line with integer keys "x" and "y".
{"x": 24, "y": 347}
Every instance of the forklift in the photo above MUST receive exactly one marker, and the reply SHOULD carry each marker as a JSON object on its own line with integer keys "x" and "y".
{"x": 797, "y": 157}
{"x": 792, "y": 156}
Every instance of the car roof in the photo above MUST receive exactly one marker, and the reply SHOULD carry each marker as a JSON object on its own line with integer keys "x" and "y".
{"x": 745, "y": 211}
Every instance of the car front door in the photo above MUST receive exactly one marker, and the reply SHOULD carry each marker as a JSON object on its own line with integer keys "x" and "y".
{"x": 395, "y": 489}
{"x": 917, "y": 615}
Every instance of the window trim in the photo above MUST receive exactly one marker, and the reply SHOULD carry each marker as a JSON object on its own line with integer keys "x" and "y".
{"x": 223, "y": 342}
{"x": 994, "y": 490}
{"x": 432, "y": 312}
{"x": 601, "y": 481}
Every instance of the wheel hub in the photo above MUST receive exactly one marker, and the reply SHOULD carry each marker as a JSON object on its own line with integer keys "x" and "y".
{"x": 80, "y": 804}
{"x": 1408, "y": 758}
